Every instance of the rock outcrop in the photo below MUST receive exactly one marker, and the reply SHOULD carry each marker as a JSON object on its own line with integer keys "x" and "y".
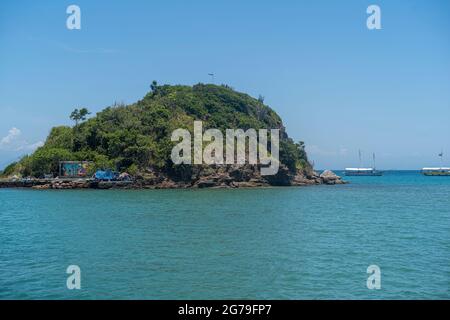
{"x": 329, "y": 177}
{"x": 201, "y": 177}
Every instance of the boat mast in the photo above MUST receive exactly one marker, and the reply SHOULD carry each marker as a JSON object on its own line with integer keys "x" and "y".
{"x": 442, "y": 158}
{"x": 360, "y": 165}
{"x": 374, "y": 166}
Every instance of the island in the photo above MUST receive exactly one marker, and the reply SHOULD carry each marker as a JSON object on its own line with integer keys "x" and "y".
{"x": 135, "y": 141}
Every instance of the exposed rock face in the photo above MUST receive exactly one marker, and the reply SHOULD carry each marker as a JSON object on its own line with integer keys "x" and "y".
{"x": 329, "y": 177}
{"x": 225, "y": 176}
{"x": 62, "y": 184}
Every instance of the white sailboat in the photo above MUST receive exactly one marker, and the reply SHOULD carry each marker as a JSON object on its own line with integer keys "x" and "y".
{"x": 437, "y": 171}
{"x": 360, "y": 171}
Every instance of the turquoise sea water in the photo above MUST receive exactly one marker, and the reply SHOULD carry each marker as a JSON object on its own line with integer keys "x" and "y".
{"x": 276, "y": 243}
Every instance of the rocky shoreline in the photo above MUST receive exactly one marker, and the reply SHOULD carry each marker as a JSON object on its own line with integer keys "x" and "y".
{"x": 219, "y": 177}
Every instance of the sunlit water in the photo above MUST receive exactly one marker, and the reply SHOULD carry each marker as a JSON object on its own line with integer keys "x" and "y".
{"x": 276, "y": 243}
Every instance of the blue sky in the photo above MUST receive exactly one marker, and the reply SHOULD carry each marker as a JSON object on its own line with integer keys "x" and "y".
{"x": 337, "y": 85}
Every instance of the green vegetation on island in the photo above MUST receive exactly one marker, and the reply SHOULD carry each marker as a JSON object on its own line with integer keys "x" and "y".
{"x": 136, "y": 138}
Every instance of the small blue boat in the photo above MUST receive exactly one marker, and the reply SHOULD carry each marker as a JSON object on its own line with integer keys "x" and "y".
{"x": 105, "y": 175}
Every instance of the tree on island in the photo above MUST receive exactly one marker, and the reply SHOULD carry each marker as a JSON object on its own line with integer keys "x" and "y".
{"x": 154, "y": 87}
{"x": 79, "y": 115}
{"x": 261, "y": 99}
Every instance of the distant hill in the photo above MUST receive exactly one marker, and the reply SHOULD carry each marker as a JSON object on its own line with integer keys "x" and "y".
{"x": 136, "y": 138}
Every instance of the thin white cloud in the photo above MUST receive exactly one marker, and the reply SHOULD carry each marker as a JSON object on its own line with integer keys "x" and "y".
{"x": 11, "y": 137}
{"x": 13, "y": 141}
{"x": 30, "y": 147}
